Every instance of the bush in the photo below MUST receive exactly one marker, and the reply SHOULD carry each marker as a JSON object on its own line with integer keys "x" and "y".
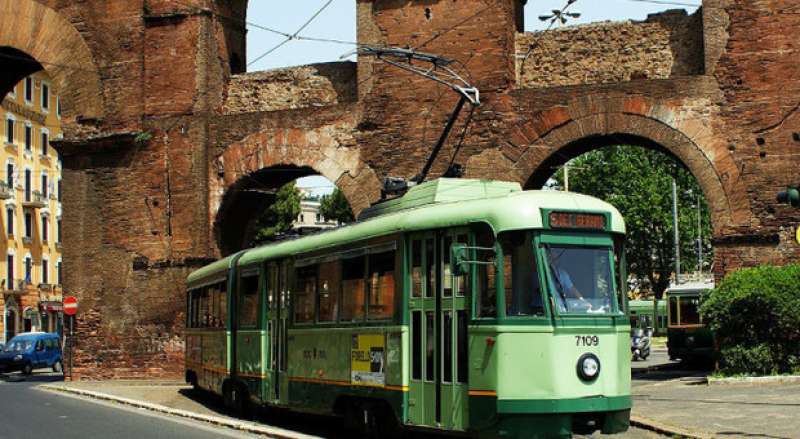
{"x": 755, "y": 316}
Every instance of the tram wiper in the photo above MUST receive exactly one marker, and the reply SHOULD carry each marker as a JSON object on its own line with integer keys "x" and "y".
{"x": 559, "y": 285}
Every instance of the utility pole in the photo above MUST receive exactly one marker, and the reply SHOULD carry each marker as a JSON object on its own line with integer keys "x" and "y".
{"x": 699, "y": 237}
{"x": 675, "y": 230}
{"x": 566, "y": 177}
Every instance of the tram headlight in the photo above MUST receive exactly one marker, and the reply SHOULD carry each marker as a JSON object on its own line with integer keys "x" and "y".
{"x": 588, "y": 367}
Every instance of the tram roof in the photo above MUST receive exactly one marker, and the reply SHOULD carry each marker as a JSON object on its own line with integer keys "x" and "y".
{"x": 441, "y": 203}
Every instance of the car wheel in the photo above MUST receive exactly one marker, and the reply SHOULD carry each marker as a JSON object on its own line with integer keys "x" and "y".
{"x": 27, "y": 369}
{"x": 58, "y": 367}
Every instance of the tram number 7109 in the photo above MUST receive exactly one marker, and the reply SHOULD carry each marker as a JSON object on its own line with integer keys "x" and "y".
{"x": 587, "y": 340}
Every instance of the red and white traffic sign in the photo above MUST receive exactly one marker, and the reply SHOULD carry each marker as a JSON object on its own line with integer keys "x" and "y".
{"x": 70, "y": 306}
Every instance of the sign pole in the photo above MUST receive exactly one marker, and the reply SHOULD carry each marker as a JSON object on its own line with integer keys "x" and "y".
{"x": 71, "y": 342}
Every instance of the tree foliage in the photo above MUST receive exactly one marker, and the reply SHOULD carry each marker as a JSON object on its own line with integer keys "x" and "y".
{"x": 638, "y": 182}
{"x": 335, "y": 207}
{"x": 755, "y": 316}
{"x": 278, "y": 217}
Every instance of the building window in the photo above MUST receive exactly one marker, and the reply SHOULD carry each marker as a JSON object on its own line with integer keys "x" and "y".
{"x": 59, "y": 189}
{"x": 58, "y": 230}
{"x": 9, "y": 221}
{"x": 45, "y": 97}
{"x": 58, "y": 272}
{"x": 44, "y": 185}
{"x": 319, "y": 218}
{"x": 58, "y": 106}
{"x": 27, "y": 185}
{"x": 28, "y": 137}
{"x": 45, "y": 269}
{"x": 10, "y": 130}
{"x": 45, "y": 141}
{"x": 10, "y": 271}
{"x": 28, "y": 225}
{"x": 28, "y": 269}
{"x": 45, "y": 224}
{"x": 10, "y": 175}
{"x": 28, "y": 90}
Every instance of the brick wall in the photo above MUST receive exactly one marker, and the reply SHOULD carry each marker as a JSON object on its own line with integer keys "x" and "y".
{"x": 664, "y": 46}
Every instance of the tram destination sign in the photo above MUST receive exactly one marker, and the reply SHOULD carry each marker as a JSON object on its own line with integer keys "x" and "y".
{"x": 577, "y": 220}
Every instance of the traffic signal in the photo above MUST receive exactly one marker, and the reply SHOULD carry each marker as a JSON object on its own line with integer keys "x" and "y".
{"x": 790, "y": 196}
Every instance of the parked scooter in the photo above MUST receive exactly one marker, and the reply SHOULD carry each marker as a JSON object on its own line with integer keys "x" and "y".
{"x": 640, "y": 343}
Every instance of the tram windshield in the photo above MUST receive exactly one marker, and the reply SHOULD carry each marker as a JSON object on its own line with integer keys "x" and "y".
{"x": 581, "y": 279}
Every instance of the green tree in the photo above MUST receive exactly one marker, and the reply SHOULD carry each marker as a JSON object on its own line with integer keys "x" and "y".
{"x": 638, "y": 182}
{"x": 279, "y": 216}
{"x": 335, "y": 207}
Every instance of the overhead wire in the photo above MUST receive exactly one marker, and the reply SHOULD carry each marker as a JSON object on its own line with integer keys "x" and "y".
{"x": 292, "y": 36}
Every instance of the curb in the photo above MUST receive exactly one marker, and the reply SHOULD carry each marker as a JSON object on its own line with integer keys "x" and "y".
{"x": 273, "y": 432}
{"x": 666, "y": 429}
{"x": 779, "y": 379}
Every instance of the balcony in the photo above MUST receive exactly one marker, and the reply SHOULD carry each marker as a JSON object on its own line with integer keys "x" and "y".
{"x": 34, "y": 200}
{"x": 18, "y": 287}
{"x": 6, "y": 191}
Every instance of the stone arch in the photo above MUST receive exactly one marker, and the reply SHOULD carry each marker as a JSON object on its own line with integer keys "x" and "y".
{"x": 38, "y": 37}
{"x": 275, "y": 156}
{"x": 553, "y": 137}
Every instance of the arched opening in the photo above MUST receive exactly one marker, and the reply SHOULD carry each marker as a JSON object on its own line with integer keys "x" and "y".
{"x": 276, "y": 203}
{"x": 30, "y": 191}
{"x": 645, "y": 182}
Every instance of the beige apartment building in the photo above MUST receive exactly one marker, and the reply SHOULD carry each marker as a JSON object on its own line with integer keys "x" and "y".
{"x": 30, "y": 209}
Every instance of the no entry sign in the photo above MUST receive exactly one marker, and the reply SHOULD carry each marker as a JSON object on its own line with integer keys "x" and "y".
{"x": 70, "y": 306}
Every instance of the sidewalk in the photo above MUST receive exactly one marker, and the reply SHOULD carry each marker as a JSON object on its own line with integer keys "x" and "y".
{"x": 730, "y": 411}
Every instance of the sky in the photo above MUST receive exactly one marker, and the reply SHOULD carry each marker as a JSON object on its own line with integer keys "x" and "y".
{"x": 338, "y": 21}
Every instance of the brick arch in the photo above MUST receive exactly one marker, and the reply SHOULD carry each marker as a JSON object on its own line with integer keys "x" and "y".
{"x": 552, "y": 137}
{"x": 327, "y": 151}
{"x": 47, "y": 37}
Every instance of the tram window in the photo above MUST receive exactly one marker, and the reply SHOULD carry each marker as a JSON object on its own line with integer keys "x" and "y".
{"x": 352, "y": 306}
{"x": 581, "y": 279}
{"x": 329, "y": 273}
{"x": 462, "y": 359}
{"x": 429, "y": 345}
{"x": 416, "y": 268}
{"x": 460, "y": 281}
{"x": 213, "y": 307}
{"x": 689, "y": 314}
{"x": 416, "y": 334}
{"x": 203, "y": 323}
{"x": 381, "y": 286}
{"x": 248, "y": 301}
{"x": 523, "y": 292}
{"x": 447, "y": 347}
{"x": 447, "y": 279}
{"x": 222, "y": 316}
{"x": 304, "y": 292}
{"x": 673, "y": 310}
{"x": 430, "y": 268}
{"x": 487, "y": 279}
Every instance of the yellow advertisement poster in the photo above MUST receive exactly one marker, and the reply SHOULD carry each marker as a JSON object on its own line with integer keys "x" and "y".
{"x": 368, "y": 360}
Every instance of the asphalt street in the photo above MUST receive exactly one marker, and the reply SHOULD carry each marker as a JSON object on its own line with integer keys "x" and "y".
{"x": 28, "y": 412}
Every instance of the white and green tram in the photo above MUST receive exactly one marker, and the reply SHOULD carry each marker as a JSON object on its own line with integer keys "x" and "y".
{"x": 465, "y": 305}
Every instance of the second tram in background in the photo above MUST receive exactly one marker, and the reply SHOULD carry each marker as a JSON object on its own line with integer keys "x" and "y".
{"x": 463, "y": 306}
{"x": 688, "y": 337}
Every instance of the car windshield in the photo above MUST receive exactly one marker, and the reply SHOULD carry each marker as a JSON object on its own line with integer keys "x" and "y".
{"x": 18, "y": 345}
{"x": 581, "y": 279}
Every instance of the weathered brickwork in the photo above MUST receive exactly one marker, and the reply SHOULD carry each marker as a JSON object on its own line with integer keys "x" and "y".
{"x": 168, "y": 144}
{"x": 664, "y": 46}
{"x": 292, "y": 88}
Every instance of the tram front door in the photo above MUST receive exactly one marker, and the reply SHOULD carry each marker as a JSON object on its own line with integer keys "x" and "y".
{"x": 438, "y": 390}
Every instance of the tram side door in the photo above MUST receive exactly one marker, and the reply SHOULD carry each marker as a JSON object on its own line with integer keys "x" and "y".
{"x": 437, "y": 388}
{"x": 279, "y": 312}
{"x": 273, "y": 313}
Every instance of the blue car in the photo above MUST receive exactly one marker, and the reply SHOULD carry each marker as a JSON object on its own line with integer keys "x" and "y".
{"x": 32, "y": 350}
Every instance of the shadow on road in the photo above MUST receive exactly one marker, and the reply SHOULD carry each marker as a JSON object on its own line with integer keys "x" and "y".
{"x": 326, "y": 426}
{"x": 36, "y": 377}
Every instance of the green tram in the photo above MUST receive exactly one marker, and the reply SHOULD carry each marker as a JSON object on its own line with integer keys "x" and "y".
{"x": 464, "y": 306}
{"x": 642, "y": 313}
{"x": 688, "y": 338}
